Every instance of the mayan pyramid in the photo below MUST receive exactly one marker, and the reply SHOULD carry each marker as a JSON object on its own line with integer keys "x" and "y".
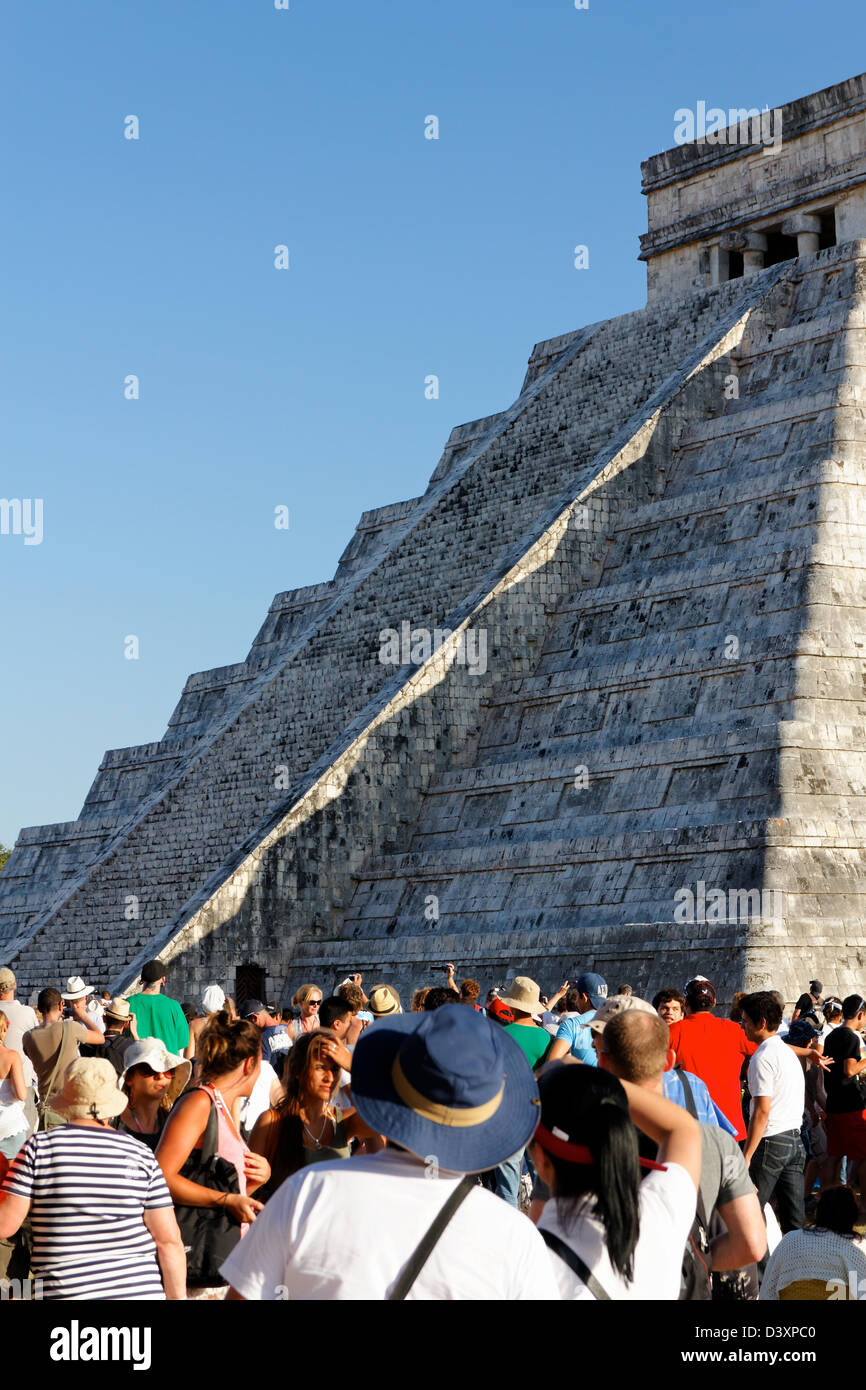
{"x": 651, "y": 568}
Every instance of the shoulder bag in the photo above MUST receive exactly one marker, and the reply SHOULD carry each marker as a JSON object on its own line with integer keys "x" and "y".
{"x": 209, "y": 1234}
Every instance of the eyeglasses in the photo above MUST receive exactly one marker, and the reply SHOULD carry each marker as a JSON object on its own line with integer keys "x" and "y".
{"x": 314, "y": 1002}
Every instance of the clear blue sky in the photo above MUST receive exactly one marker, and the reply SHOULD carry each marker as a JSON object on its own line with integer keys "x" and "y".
{"x": 305, "y": 387}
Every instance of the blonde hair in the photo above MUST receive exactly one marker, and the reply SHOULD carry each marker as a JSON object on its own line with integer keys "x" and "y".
{"x": 302, "y": 995}
{"x": 4, "y": 1024}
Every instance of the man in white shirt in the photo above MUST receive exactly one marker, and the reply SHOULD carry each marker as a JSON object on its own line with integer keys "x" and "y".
{"x": 774, "y": 1148}
{"x": 453, "y": 1094}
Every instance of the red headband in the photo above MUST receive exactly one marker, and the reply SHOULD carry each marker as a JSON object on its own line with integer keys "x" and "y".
{"x": 579, "y": 1153}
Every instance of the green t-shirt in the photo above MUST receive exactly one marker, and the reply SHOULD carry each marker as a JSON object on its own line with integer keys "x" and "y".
{"x": 158, "y": 1017}
{"x": 532, "y": 1040}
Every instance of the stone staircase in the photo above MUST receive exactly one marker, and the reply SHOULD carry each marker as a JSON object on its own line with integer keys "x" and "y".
{"x": 665, "y": 483}
{"x": 656, "y": 742}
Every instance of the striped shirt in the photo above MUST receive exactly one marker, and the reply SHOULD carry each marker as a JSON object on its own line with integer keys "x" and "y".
{"x": 88, "y": 1189}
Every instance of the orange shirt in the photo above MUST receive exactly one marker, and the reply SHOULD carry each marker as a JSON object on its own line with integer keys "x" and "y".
{"x": 714, "y": 1048}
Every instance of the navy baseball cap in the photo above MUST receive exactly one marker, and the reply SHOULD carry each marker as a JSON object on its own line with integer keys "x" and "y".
{"x": 593, "y": 985}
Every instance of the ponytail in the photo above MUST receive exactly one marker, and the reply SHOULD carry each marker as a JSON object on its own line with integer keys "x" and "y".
{"x": 224, "y": 1044}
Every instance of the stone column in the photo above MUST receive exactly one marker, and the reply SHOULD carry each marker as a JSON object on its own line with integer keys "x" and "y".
{"x": 806, "y": 227}
{"x": 753, "y": 245}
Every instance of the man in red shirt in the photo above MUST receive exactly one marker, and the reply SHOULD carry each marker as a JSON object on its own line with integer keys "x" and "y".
{"x": 713, "y": 1048}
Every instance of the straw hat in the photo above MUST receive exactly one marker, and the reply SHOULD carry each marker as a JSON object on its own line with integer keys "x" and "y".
{"x": 524, "y": 996}
{"x": 118, "y": 1008}
{"x": 90, "y": 1091}
{"x": 384, "y": 1000}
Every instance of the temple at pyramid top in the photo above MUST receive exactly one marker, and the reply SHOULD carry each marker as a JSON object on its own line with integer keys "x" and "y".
{"x": 745, "y": 189}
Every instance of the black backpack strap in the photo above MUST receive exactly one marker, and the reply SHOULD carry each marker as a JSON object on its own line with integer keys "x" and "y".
{"x": 574, "y": 1262}
{"x": 425, "y": 1247}
{"x": 688, "y": 1093}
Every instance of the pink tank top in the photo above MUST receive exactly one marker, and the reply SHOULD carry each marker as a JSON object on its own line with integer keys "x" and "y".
{"x": 230, "y": 1145}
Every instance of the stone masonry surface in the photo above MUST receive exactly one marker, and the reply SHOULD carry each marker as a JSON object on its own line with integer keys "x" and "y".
{"x": 662, "y": 544}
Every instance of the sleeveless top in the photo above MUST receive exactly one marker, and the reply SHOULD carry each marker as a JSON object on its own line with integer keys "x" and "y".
{"x": 230, "y": 1145}
{"x": 338, "y": 1148}
{"x": 151, "y": 1140}
{"x": 12, "y": 1117}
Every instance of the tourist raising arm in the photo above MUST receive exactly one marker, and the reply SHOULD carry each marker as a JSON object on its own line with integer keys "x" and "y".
{"x": 306, "y": 1127}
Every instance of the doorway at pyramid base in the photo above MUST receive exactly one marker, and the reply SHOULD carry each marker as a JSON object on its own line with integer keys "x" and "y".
{"x": 751, "y": 954}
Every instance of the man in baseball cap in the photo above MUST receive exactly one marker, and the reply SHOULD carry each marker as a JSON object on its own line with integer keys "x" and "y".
{"x": 453, "y": 1095}
{"x": 155, "y": 1015}
{"x": 582, "y": 1000}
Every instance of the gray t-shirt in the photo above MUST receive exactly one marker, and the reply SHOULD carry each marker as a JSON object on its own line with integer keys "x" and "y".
{"x": 724, "y": 1175}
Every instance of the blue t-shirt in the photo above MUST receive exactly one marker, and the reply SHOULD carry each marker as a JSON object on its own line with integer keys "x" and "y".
{"x": 708, "y": 1112}
{"x": 275, "y": 1044}
{"x": 579, "y": 1038}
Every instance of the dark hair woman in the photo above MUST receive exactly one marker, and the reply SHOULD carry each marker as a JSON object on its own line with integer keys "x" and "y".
{"x": 306, "y": 1127}
{"x": 612, "y": 1232}
{"x": 824, "y": 1262}
{"x": 229, "y": 1052}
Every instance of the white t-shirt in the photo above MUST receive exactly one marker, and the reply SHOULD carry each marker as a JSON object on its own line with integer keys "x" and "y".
{"x": 667, "y": 1209}
{"x": 775, "y": 1071}
{"x": 346, "y": 1229}
{"x": 259, "y": 1099}
{"x": 550, "y": 1021}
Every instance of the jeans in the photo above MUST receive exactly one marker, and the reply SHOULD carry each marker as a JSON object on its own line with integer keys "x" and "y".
{"x": 777, "y": 1167}
{"x": 506, "y": 1179}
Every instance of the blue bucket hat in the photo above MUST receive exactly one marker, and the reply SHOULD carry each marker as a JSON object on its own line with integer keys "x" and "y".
{"x": 448, "y": 1085}
{"x": 593, "y": 985}
{"x": 801, "y": 1033}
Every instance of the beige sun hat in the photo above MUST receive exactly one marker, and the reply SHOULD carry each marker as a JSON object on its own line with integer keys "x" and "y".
{"x": 617, "y": 1004}
{"x": 384, "y": 1000}
{"x": 524, "y": 995}
{"x": 118, "y": 1008}
{"x": 90, "y": 1091}
{"x": 152, "y": 1052}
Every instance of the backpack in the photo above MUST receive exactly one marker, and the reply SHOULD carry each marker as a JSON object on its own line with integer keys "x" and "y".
{"x": 696, "y": 1277}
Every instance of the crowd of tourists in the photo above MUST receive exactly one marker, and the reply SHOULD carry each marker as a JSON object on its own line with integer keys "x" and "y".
{"x": 587, "y": 1145}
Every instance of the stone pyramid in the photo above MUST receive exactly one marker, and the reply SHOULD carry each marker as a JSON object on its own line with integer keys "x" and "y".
{"x": 596, "y": 700}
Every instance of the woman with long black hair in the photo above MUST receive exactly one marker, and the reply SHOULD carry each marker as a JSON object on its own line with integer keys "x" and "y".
{"x": 616, "y": 1237}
